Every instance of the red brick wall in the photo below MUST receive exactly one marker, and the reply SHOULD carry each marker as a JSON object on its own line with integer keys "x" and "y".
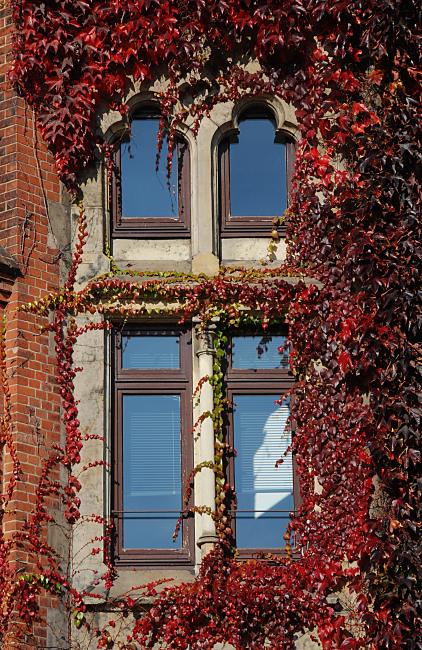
{"x": 27, "y": 182}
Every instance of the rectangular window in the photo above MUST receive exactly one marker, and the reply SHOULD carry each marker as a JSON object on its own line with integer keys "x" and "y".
{"x": 152, "y": 445}
{"x": 257, "y": 378}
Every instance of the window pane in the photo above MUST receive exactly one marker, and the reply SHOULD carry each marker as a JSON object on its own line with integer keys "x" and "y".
{"x": 152, "y": 351}
{"x": 151, "y": 470}
{"x": 257, "y": 171}
{"x": 259, "y": 352}
{"x": 261, "y": 438}
{"x": 145, "y": 191}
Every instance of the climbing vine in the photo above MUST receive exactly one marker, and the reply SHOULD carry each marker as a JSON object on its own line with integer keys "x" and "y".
{"x": 350, "y": 70}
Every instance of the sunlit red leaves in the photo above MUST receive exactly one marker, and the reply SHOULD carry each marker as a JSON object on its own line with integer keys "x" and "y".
{"x": 344, "y": 361}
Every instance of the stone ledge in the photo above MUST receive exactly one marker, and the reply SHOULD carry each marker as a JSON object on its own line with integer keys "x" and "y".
{"x": 9, "y": 270}
{"x": 8, "y": 264}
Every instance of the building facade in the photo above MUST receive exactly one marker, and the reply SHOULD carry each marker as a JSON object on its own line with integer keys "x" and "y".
{"x": 146, "y": 392}
{"x": 147, "y": 386}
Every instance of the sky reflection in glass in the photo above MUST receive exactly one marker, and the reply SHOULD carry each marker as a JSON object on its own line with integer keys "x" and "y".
{"x": 257, "y": 171}
{"x": 145, "y": 191}
{"x": 259, "y": 352}
{"x": 261, "y": 438}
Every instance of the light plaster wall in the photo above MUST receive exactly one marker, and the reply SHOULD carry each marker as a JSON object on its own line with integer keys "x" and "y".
{"x": 57, "y": 628}
{"x": 92, "y": 389}
{"x": 305, "y": 642}
{"x": 251, "y": 251}
{"x": 153, "y": 254}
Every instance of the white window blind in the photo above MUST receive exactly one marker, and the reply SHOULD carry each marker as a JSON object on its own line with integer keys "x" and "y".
{"x": 261, "y": 439}
{"x": 150, "y": 352}
{"x": 152, "y": 450}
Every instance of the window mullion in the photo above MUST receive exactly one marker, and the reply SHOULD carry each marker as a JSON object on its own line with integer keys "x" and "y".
{"x": 205, "y": 354}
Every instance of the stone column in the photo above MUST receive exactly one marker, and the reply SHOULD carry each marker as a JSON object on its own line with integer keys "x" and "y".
{"x": 204, "y": 239}
{"x": 205, "y": 356}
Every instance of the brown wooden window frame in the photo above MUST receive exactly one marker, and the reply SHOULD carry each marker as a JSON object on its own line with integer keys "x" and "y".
{"x": 258, "y": 382}
{"x": 160, "y": 227}
{"x": 152, "y": 382}
{"x": 250, "y": 226}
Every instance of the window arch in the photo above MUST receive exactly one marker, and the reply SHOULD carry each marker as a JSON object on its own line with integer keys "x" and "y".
{"x": 255, "y": 169}
{"x": 144, "y": 201}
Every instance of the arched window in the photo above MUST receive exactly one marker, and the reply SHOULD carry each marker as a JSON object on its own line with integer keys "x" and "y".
{"x": 255, "y": 168}
{"x": 144, "y": 201}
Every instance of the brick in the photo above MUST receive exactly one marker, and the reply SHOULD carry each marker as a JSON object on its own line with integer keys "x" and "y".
{"x": 34, "y": 395}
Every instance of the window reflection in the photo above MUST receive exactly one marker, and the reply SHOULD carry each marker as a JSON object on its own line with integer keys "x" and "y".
{"x": 146, "y": 191}
{"x": 259, "y": 352}
{"x": 257, "y": 170}
{"x": 261, "y": 438}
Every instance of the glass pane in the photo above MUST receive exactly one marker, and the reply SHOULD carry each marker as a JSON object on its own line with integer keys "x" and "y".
{"x": 257, "y": 171}
{"x": 259, "y": 352}
{"x": 145, "y": 191}
{"x": 151, "y": 470}
{"x": 152, "y": 351}
{"x": 261, "y": 437}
